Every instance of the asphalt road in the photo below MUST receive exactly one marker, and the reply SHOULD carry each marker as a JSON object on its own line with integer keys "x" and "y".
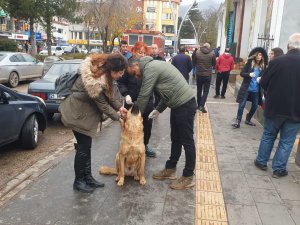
{"x": 14, "y": 159}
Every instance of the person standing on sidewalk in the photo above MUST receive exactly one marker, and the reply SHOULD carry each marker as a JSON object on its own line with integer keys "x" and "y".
{"x": 205, "y": 61}
{"x": 250, "y": 89}
{"x": 183, "y": 63}
{"x": 282, "y": 113}
{"x": 224, "y": 65}
{"x": 179, "y": 96}
{"x": 92, "y": 95}
{"x": 129, "y": 86}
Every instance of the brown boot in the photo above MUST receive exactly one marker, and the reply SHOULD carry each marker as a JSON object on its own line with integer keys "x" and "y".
{"x": 183, "y": 183}
{"x": 165, "y": 174}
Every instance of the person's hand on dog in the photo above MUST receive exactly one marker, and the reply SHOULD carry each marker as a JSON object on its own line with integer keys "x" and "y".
{"x": 128, "y": 100}
{"x": 153, "y": 115}
{"x": 123, "y": 112}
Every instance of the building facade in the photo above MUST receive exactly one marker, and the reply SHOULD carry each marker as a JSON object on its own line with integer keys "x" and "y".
{"x": 264, "y": 23}
{"x": 160, "y": 15}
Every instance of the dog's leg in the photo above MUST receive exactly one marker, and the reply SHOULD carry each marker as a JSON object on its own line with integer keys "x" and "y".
{"x": 136, "y": 175}
{"x": 118, "y": 166}
{"x": 142, "y": 169}
{"x": 121, "y": 170}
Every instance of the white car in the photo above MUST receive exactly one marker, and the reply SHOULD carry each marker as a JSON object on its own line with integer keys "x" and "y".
{"x": 83, "y": 50}
{"x": 55, "y": 50}
{"x": 16, "y": 66}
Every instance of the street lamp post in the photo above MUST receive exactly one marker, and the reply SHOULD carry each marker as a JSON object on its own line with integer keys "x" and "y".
{"x": 194, "y": 30}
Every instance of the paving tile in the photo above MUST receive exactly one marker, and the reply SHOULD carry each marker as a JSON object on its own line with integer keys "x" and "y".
{"x": 249, "y": 168}
{"x": 210, "y": 222}
{"x": 257, "y": 181}
{"x": 209, "y": 198}
{"x": 228, "y": 166}
{"x": 273, "y": 214}
{"x": 294, "y": 210}
{"x": 242, "y": 214}
{"x": 211, "y": 212}
{"x": 205, "y": 185}
{"x": 290, "y": 183}
{"x": 265, "y": 196}
{"x": 235, "y": 188}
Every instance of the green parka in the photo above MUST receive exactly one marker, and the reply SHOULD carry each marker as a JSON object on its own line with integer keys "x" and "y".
{"x": 164, "y": 79}
{"x": 82, "y": 110}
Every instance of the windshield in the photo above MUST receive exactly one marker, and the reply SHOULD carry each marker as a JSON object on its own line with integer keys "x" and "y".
{"x": 2, "y": 56}
{"x": 59, "y": 69}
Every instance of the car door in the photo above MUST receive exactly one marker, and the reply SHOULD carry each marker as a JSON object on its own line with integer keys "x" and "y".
{"x": 21, "y": 65}
{"x": 8, "y": 119}
{"x": 34, "y": 68}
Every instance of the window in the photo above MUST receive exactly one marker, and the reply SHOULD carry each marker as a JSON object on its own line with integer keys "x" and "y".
{"x": 133, "y": 39}
{"x": 167, "y": 16}
{"x": 29, "y": 58}
{"x": 148, "y": 40}
{"x": 80, "y": 35}
{"x": 168, "y": 29}
{"x": 17, "y": 58}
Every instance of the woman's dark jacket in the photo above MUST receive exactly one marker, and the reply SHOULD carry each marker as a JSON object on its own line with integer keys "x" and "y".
{"x": 246, "y": 82}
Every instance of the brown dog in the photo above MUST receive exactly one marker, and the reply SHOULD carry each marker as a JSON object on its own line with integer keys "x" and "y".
{"x": 130, "y": 160}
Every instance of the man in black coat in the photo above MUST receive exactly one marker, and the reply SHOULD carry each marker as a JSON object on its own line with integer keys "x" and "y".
{"x": 183, "y": 63}
{"x": 282, "y": 114}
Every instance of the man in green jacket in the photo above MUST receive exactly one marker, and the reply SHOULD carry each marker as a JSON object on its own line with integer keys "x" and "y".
{"x": 175, "y": 93}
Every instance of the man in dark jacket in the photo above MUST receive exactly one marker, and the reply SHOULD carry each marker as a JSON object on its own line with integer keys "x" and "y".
{"x": 205, "y": 61}
{"x": 176, "y": 94}
{"x": 282, "y": 114}
{"x": 183, "y": 63}
{"x": 223, "y": 67}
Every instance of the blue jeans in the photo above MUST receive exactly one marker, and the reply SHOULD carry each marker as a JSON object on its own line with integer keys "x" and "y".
{"x": 254, "y": 100}
{"x": 288, "y": 130}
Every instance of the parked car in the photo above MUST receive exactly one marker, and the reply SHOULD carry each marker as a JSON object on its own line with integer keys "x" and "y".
{"x": 45, "y": 87}
{"x": 55, "y": 50}
{"x": 71, "y": 49}
{"x": 16, "y": 66}
{"x": 95, "y": 50}
{"x": 22, "y": 116}
{"x": 83, "y": 50}
{"x": 48, "y": 62}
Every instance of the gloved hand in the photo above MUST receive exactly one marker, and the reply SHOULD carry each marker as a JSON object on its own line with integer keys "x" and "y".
{"x": 153, "y": 115}
{"x": 258, "y": 79}
{"x": 252, "y": 74}
{"x": 128, "y": 100}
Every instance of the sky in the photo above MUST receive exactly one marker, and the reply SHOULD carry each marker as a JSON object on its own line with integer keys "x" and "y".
{"x": 188, "y": 2}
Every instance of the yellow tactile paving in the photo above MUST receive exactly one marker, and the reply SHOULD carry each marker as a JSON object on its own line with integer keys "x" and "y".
{"x": 210, "y": 206}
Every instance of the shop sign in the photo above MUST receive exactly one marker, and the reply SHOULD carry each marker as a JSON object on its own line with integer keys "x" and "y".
{"x": 21, "y": 37}
{"x": 168, "y": 42}
{"x": 188, "y": 41}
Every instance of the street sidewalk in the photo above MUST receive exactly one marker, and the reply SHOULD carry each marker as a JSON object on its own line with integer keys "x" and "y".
{"x": 229, "y": 188}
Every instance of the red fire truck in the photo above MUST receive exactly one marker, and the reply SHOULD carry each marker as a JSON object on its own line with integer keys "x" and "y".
{"x": 147, "y": 36}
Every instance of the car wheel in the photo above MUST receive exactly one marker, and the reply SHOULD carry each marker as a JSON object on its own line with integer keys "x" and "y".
{"x": 30, "y": 133}
{"x": 13, "y": 79}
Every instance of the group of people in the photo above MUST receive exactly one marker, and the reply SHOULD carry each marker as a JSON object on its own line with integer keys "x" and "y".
{"x": 279, "y": 78}
{"x": 143, "y": 76}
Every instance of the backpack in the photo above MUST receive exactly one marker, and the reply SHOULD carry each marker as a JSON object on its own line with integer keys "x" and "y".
{"x": 64, "y": 83}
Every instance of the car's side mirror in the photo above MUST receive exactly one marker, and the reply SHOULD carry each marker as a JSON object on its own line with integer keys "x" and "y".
{"x": 4, "y": 97}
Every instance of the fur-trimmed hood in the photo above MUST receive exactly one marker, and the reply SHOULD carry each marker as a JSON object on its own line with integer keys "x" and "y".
{"x": 93, "y": 86}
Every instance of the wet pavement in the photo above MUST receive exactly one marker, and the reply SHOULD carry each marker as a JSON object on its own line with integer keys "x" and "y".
{"x": 250, "y": 197}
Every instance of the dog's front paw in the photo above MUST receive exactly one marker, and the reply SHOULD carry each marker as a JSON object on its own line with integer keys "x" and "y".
{"x": 121, "y": 182}
{"x": 142, "y": 181}
{"x": 136, "y": 177}
{"x": 117, "y": 178}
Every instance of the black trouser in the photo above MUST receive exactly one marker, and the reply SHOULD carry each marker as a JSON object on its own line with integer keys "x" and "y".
{"x": 147, "y": 123}
{"x": 203, "y": 82}
{"x": 182, "y": 134}
{"x": 224, "y": 76}
{"x": 156, "y": 99}
{"x": 82, "y": 159}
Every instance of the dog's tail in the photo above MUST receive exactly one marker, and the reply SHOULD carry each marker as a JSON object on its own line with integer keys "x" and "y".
{"x": 108, "y": 170}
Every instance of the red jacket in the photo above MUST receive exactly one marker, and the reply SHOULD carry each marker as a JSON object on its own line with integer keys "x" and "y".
{"x": 224, "y": 63}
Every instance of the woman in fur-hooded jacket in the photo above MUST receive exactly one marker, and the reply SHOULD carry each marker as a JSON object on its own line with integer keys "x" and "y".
{"x": 92, "y": 95}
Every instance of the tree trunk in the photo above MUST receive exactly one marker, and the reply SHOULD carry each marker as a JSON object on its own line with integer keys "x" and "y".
{"x": 32, "y": 37}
